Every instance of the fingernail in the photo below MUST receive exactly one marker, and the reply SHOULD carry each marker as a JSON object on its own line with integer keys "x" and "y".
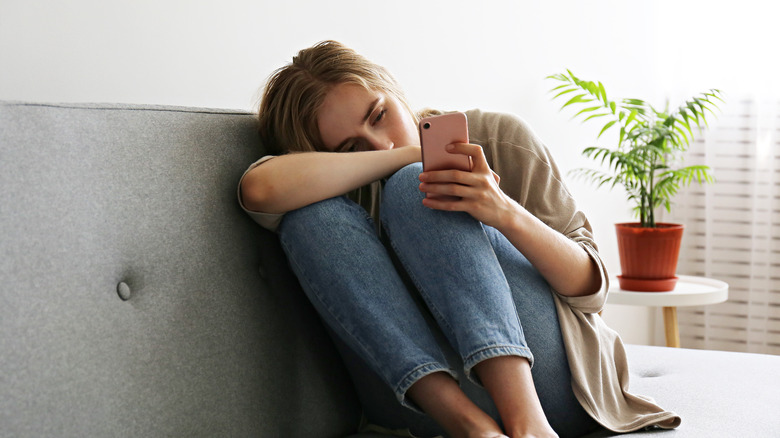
{"x": 449, "y": 147}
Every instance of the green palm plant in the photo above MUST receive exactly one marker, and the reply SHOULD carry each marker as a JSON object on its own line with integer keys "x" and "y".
{"x": 648, "y": 156}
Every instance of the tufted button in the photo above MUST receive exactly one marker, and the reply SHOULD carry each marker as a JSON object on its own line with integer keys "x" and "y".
{"x": 652, "y": 373}
{"x": 123, "y": 290}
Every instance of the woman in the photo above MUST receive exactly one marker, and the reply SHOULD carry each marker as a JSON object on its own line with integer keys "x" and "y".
{"x": 498, "y": 333}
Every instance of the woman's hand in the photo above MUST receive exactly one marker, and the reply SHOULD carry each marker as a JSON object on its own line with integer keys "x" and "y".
{"x": 476, "y": 192}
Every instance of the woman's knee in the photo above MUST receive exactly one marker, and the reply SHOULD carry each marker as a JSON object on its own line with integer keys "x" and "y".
{"x": 323, "y": 215}
{"x": 404, "y": 181}
{"x": 402, "y": 189}
{"x": 410, "y": 172}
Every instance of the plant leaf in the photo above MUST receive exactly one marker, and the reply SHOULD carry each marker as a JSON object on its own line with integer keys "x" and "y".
{"x": 631, "y": 117}
{"x": 568, "y": 90}
{"x": 580, "y": 98}
{"x": 593, "y": 116}
{"x": 587, "y": 110}
{"x": 603, "y": 93}
{"x": 560, "y": 86}
{"x": 607, "y": 126}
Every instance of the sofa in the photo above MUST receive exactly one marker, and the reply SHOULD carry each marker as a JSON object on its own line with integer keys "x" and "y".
{"x": 139, "y": 300}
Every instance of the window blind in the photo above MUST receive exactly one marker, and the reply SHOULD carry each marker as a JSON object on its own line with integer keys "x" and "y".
{"x": 732, "y": 230}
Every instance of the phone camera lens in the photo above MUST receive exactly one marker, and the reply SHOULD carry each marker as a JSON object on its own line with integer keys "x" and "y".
{"x": 426, "y": 125}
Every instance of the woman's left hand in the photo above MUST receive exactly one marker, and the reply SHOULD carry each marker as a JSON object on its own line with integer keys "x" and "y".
{"x": 476, "y": 192}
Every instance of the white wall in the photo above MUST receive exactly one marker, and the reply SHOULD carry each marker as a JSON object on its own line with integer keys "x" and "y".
{"x": 450, "y": 54}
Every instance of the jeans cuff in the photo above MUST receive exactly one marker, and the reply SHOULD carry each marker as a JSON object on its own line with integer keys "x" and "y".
{"x": 491, "y": 352}
{"x": 415, "y": 375}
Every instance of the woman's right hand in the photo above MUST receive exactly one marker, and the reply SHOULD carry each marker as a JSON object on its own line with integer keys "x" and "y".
{"x": 291, "y": 181}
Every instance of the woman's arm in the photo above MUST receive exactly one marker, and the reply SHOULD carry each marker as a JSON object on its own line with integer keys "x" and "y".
{"x": 294, "y": 180}
{"x": 562, "y": 262}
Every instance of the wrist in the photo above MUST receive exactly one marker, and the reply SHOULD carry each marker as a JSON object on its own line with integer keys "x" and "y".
{"x": 410, "y": 154}
{"x": 515, "y": 220}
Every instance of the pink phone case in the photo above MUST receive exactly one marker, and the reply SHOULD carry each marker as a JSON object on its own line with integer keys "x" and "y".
{"x": 436, "y": 133}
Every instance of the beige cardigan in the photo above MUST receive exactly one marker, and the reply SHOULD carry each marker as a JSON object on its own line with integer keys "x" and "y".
{"x": 596, "y": 356}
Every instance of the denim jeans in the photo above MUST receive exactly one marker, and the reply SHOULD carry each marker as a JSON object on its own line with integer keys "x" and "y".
{"x": 442, "y": 293}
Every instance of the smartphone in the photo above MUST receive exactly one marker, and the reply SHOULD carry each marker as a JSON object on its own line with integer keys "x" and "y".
{"x": 436, "y": 133}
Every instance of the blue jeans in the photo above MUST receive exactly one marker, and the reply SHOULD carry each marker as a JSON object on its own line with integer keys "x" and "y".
{"x": 443, "y": 293}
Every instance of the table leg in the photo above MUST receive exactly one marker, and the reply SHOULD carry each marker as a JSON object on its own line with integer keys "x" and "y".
{"x": 672, "y": 330}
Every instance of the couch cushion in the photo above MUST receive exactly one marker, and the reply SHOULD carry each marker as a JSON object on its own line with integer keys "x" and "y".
{"x": 99, "y": 201}
{"x": 717, "y": 393}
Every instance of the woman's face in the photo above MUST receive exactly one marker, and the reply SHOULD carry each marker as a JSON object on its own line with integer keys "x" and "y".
{"x": 353, "y": 118}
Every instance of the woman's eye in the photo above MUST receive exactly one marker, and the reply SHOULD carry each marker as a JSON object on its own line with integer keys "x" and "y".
{"x": 380, "y": 116}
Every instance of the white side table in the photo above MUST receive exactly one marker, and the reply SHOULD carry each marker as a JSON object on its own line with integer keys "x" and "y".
{"x": 689, "y": 291}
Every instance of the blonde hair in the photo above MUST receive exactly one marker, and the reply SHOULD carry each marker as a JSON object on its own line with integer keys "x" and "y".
{"x": 293, "y": 95}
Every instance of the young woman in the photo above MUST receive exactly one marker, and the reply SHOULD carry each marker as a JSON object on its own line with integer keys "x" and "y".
{"x": 479, "y": 311}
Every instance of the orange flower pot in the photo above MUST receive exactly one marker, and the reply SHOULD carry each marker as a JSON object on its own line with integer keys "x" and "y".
{"x": 648, "y": 256}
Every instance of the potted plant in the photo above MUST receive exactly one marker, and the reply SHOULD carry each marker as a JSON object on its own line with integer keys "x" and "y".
{"x": 647, "y": 163}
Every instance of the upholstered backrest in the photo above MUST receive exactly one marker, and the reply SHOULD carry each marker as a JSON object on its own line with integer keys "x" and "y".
{"x": 136, "y": 298}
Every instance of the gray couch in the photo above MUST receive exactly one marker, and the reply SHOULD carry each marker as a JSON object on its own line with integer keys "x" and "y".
{"x": 138, "y": 299}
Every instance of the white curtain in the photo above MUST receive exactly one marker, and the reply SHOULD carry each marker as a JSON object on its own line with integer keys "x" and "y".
{"x": 733, "y": 229}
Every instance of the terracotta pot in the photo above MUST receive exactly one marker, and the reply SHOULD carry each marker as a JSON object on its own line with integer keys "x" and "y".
{"x": 648, "y": 256}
